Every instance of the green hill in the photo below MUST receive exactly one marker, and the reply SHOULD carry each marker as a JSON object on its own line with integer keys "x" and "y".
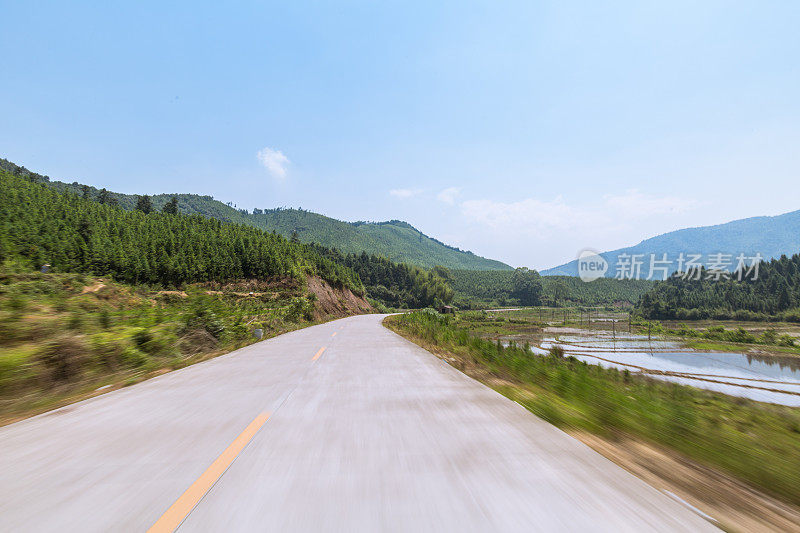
{"x": 395, "y": 240}
{"x": 39, "y": 225}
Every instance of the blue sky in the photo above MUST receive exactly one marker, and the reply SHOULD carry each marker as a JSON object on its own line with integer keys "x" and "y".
{"x": 524, "y": 131}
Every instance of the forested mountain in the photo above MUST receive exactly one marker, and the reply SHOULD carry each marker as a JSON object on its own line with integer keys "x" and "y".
{"x": 501, "y": 288}
{"x": 774, "y": 294}
{"x": 39, "y": 225}
{"x": 769, "y": 236}
{"x": 395, "y": 240}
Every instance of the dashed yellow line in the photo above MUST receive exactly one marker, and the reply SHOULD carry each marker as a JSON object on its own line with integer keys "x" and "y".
{"x": 179, "y": 510}
{"x": 334, "y": 333}
{"x": 318, "y": 354}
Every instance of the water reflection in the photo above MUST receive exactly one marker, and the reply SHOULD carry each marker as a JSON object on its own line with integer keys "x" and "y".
{"x": 765, "y": 378}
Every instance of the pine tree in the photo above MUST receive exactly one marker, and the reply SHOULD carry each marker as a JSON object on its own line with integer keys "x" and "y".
{"x": 143, "y": 204}
{"x": 171, "y": 207}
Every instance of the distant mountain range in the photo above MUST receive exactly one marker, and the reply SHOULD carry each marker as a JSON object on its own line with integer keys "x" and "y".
{"x": 769, "y": 236}
{"x": 395, "y": 240}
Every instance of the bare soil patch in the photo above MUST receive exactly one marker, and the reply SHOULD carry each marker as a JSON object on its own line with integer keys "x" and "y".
{"x": 335, "y": 302}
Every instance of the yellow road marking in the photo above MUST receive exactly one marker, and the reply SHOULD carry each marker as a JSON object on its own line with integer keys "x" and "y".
{"x": 179, "y": 510}
{"x": 318, "y": 353}
{"x": 334, "y": 333}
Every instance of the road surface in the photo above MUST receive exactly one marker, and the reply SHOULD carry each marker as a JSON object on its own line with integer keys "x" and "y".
{"x": 370, "y": 434}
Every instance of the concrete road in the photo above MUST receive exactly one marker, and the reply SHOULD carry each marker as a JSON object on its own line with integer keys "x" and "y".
{"x": 371, "y": 434}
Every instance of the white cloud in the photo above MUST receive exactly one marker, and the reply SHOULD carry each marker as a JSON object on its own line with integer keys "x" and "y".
{"x": 528, "y": 214}
{"x": 609, "y": 218}
{"x": 274, "y": 161}
{"x": 448, "y": 195}
{"x": 405, "y": 193}
{"x": 634, "y": 203}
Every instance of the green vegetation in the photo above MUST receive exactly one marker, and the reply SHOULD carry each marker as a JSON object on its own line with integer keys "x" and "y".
{"x": 531, "y": 320}
{"x": 74, "y": 234}
{"x": 395, "y": 240}
{"x": 482, "y": 289}
{"x": 758, "y": 443}
{"x": 493, "y": 325}
{"x": 41, "y": 226}
{"x": 738, "y": 335}
{"x": 774, "y": 295}
{"x": 396, "y": 285}
{"x": 64, "y": 335}
{"x": 718, "y": 337}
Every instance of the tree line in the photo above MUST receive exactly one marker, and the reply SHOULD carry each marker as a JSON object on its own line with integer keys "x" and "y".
{"x": 396, "y": 284}
{"x": 39, "y": 225}
{"x": 89, "y": 231}
{"x": 773, "y": 294}
{"x": 526, "y": 287}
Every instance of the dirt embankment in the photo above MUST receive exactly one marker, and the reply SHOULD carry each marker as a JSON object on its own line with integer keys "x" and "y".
{"x": 735, "y": 505}
{"x": 333, "y": 302}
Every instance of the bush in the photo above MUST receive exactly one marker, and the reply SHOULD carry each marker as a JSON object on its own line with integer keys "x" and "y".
{"x": 786, "y": 340}
{"x": 104, "y": 319}
{"x": 75, "y": 321}
{"x": 15, "y": 370}
{"x": 298, "y": 308}
{"x": 108, "y": 349}
{"x": 769, "y": 337}
{"x": 133, "y": 358}
{"x": 16, "y": 303}
{"x": 207, "y": 319}
{"x": 557, "y": 351}
{"x": 64, "y": 358}
{"x": 113, "y": 351}
{"x": 792, "y": 316}
{"x": 741, "y": 335}
{"x": 156, "y": 342}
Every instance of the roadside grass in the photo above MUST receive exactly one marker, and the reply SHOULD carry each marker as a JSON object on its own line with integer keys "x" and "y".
{"x": 62, "y": 336}
{"x": 755, "y": 442}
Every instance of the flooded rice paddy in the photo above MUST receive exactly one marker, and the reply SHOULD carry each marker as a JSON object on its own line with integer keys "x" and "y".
{"x": 765, "y": 378}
